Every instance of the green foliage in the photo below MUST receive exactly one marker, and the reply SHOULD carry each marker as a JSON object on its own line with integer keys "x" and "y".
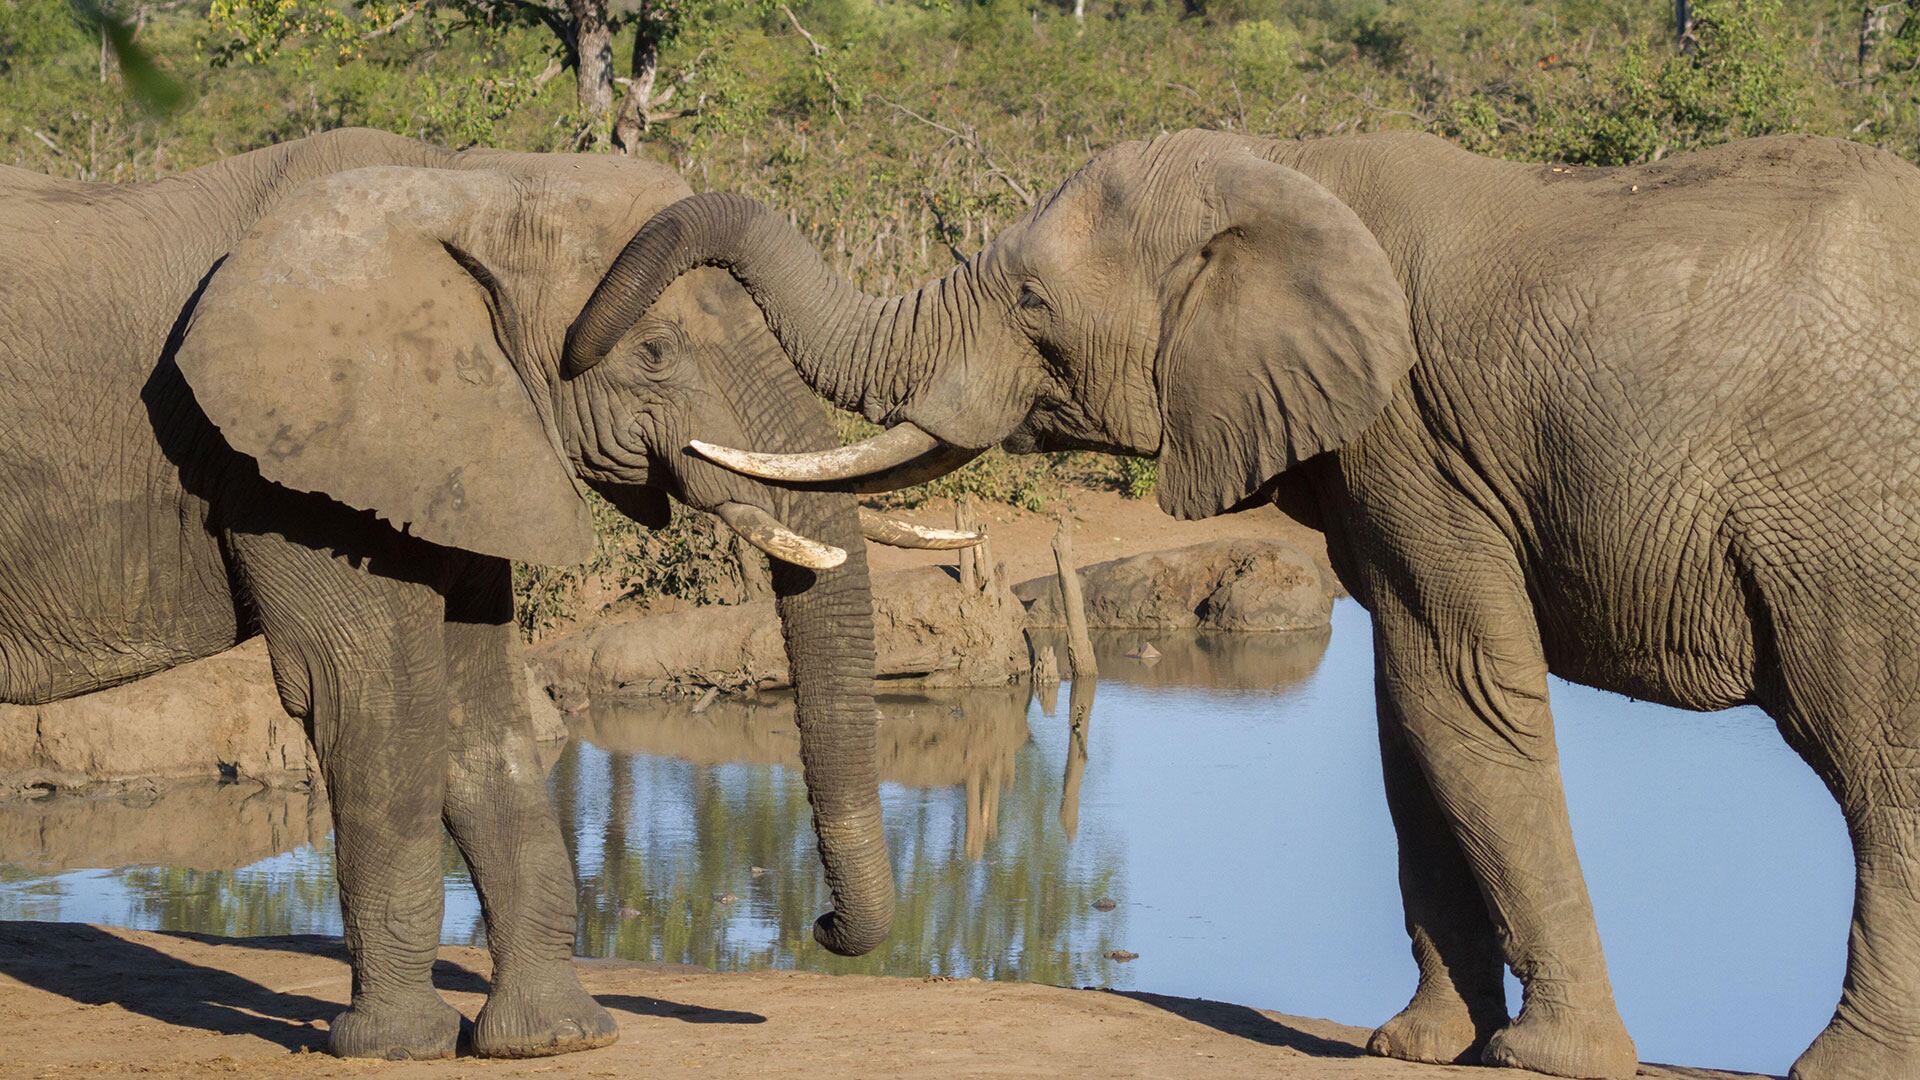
{"x": 1736, "y": 82}
{"x": 1137, "y": 476}
{"x": 691, "y": 559}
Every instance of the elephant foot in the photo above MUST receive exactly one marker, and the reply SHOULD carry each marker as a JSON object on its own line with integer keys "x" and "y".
{"x": 541, "y": 1018}
{"x": 1590, "y": 1044}
{"x": 1438, "y": 1029}
{"x": 1844, "y": 1052}
{"x": 421, "y": 1028}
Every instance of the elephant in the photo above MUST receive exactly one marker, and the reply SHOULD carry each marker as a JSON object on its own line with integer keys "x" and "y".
{"x": 1654, "y": 429}
{"x": 313, "y": 392}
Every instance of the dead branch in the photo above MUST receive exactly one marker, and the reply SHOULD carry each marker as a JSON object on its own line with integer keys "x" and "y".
{"x": 404, "y": 18}
{"x": 972, "y": 142}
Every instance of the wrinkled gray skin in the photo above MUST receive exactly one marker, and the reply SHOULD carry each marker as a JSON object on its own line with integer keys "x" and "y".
{"x": 1656, "y": 430}
{"x": 374, "y": 327}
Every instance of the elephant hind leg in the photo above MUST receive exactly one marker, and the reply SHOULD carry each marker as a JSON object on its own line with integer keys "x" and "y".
{"x": 500, "y": 815}
{"x": 357, "y": 655}
{"x": 1848, "y": 700}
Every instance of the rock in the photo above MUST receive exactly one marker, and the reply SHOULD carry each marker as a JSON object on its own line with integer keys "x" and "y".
{"x": 1123, "y": 955}
{"x": 1144, "y": 652}
{"x": 218, "y": 718}
{"x": 929, "y": 631}
{"x": 1239, "y": 584}
{"x": 1105, "y": 903}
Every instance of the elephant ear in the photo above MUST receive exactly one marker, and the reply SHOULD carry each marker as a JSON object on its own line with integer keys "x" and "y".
{"x": 351, "y": 345}
{"x": 1283, "y": 336}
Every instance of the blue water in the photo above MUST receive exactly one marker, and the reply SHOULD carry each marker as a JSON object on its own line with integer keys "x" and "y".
{"x": 1229, "y": 803}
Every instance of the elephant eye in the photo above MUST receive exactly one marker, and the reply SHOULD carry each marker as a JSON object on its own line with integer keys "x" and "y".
{"x": 653, "y": 356}
{"x": 1030, "y": 300}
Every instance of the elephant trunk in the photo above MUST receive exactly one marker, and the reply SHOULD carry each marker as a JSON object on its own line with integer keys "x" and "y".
{"x": 827, "y": 619}
{"x": 864, "y": 353}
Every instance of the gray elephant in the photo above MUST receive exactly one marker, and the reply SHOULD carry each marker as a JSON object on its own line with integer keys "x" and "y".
{"x": 314, "y": 392}
{"x": 1656, "y": 430}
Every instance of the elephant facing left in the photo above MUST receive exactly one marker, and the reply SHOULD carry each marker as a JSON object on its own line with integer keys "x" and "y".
{"x": 314, "y": 392}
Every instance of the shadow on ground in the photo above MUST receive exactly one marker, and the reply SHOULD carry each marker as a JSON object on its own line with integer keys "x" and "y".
{"x": 1246, "y": 1023}
{"x": 92, "y": 967}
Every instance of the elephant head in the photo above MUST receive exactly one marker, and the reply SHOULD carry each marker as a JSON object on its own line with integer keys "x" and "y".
{"x": 1189, "y": 298}
{"x": 391, "y": 337}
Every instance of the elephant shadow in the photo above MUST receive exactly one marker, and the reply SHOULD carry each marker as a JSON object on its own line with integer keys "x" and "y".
{"x": 91, "y": 966}
{"x": 1246, "y": 1023}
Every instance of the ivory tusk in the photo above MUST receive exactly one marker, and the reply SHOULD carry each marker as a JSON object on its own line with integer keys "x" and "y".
{"x": 905, "y": 534}
{"x": 888, "y": 450}
{"x": 765, "y": 532}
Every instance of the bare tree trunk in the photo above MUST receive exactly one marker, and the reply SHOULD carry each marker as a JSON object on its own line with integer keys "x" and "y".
{"x": 1079, "y": 642}
{"x": 1683, "y": 25}
{"x": 634, "y": 107}
{"x": 593, "y": 54}
{"x": 1080, "y": 10}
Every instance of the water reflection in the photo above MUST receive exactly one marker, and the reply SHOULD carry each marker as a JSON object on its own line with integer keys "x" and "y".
{"x": 1226, "y": 796}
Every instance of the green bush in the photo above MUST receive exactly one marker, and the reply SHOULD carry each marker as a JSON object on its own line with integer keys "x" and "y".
{"x": 692, "y": 559}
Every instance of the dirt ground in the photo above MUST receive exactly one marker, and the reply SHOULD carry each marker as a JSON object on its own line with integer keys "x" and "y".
{"x": 83, "y": 1001}
{"x": 1105, "y": 526}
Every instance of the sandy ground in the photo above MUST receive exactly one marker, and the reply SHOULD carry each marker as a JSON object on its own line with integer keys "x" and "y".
{"x": 85, "y": 1001}
{"x": 1105, "y": 526}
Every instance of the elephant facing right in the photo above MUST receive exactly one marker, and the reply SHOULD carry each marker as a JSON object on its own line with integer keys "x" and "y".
{"x": 1653, "y": 429}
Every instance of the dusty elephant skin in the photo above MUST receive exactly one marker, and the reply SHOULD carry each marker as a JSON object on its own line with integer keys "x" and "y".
{"x": 314, "y": 392}
{"x": 1656, "y": 430}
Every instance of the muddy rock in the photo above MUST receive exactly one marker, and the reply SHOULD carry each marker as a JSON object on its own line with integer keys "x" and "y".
{"x": 929, "y": 630}
{"x": 214, "y": 719}
{"x": 211, "y": 719}
{"x": 1238, "y": 584}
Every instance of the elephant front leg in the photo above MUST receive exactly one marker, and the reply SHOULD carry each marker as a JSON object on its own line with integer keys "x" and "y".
{"x": 1461, "y": 1000}
{"x": 359, "y": 657}
{"x": 498, "y": 810}
{"x": 1466, "y": 685}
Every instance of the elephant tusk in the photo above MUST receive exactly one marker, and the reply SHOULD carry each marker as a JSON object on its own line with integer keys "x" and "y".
{"x": 765, "y": 532}
{"x": 890, "y": 449}
{"x": 905, "y": 534}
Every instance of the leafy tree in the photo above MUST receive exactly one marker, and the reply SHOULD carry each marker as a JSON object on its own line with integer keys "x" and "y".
{"x": 581, "y": 33}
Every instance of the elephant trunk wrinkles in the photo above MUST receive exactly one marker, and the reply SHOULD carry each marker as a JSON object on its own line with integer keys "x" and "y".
{"x": 827, "y": 619}
{"x": 863, "y": 353}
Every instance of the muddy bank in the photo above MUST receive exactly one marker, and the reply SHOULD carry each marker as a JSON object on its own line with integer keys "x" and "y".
{"x": 929, "y": 631}
{"x": 85, "y": 1001}
{"x": 214, "y": 719}
{"x": 1238, "y": 584}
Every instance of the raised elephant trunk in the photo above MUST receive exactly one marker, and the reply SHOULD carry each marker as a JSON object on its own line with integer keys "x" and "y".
{"x": 863, "y": 353}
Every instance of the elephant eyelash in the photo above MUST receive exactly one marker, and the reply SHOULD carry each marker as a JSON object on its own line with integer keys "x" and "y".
{"x": 1031, "y": 300}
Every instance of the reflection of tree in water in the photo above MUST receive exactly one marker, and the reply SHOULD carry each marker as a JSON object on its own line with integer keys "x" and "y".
{"x": 296, "y": 894}
{"x": 668, "y": 808}
{"x": 989, "y": 885}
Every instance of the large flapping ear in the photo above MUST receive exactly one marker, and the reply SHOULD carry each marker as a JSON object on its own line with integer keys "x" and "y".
{"x": 1283, "y": 335}
{"x": 351, "y": 344}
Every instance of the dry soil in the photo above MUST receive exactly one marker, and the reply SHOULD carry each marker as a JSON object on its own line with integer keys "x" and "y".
{"x": 82, "y": 1001}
